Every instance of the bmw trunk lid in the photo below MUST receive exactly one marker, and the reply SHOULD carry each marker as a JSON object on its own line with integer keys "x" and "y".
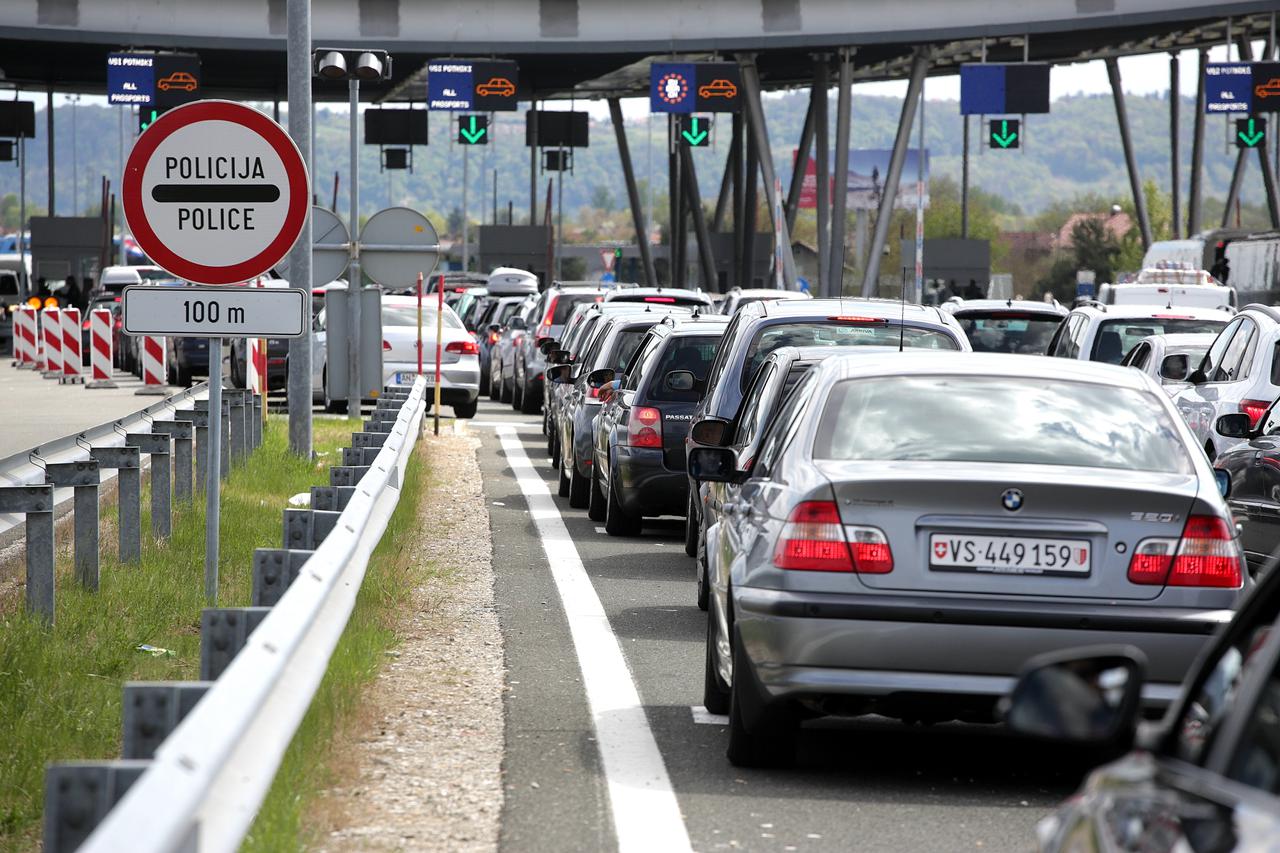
{"x": 1011, "y": 529}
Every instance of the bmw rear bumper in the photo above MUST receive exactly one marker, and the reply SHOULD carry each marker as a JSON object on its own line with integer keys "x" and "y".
{"x": 884, "y": 649}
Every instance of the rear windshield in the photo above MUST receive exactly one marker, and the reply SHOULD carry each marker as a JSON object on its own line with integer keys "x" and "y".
{"x": 999, "y": 419}
{"x": 566, "y": 302}
{"x": 1117, "y": 337}
{"x": 830, "y": 333}
{"x": 8, "y": 285}
{"x": 688, "y": 301}
{"x": 625, "y": 344}
{"x": 693, "y": 353}
{"x": 407, "y": 315}
{"x": 997, "y": 331}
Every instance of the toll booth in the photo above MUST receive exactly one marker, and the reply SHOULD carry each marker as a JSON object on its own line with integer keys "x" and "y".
{"x": 947, "y": 260}
{"x": 66, "y": 246}
{"x": 524, "y": 247}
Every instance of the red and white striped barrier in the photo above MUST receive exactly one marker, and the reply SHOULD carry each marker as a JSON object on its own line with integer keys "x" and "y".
{"x": 256, "y": 366}
{"x": 51, "y": 335}
{"x": 100, "y": 340}
{"x": 72, "y": 357}
{"x": 153, "y": 366}
{"x": 26, "y": 347}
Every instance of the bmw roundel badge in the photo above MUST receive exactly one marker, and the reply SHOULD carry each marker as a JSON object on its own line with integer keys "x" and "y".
{"x": 1011, "y": 499}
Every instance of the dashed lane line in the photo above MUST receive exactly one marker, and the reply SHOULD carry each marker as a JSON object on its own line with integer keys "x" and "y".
{"x": 646, "y": 815}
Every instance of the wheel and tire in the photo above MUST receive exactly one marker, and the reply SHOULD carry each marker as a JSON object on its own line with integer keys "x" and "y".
{"x": 617, "y": 521}
{"x": 507, "y": 391}
{"x": 529, "y": 403}
{"x": 466, "y": 410}
{"x": 563, "y": 482}
{"x": 336, "y": 407}
{"x": 579, "y": 496}
{"x": 691, "y": 523}
{"x": 495, "y": 384}
{"x": 484, "y": 383}
{"x": 758, "y": 737}
{"x": 183, "y": 376}
{"x": 517, "y": 393}
{"x": 700, "y": 562}
{"x": 595, "y": 500}
{"x": 553, "y": 449}
{"x": 715, "y": 693}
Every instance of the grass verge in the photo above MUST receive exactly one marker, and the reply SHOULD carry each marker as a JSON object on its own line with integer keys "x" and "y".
{"x": 60, "y": 688}
{"x": 306, "y": 768}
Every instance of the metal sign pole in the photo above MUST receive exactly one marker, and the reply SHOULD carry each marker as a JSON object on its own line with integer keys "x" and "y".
{"x": 419, "y": 324}
{"x": 439, "y": 335}
{"x": 213, "y": 482}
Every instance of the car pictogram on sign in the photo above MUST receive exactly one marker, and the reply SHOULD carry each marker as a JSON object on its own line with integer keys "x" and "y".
{"x": 1269, "y": 89}
{"x": 718, "y": 89}
{"x": 500, "y": 86}
{"x": 177, "y": 80}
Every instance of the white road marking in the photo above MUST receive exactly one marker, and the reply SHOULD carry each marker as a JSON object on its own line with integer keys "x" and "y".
{"x": 703, "y": 717}
{"x": 646, "y": 815}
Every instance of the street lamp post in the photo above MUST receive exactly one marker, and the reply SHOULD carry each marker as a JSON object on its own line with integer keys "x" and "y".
{"x": 332, "y": 64}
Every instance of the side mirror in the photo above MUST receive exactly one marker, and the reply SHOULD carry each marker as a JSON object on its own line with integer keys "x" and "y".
{"x": 518, "y": 322}
{"x": 714, "y": 465}
{"x": 600, "y": 378}
{"x": 1175, "y": 367}
{"x": 710, "y": 432}
{"x": 560, "y": 374}
{"x": 1223, "y": 479}
{"x": 495, "y": 328}
{"x": 1235, "y": 425}
{"x": 680, "y": 380}
{"x": 558, "y": 356}
{"x": 542, "y": 341}
{"x": 546, "y": 345}
{"x": 1088, "y": 696}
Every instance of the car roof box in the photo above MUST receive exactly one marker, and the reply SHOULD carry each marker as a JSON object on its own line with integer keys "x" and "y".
{"x": 508, "y": 281}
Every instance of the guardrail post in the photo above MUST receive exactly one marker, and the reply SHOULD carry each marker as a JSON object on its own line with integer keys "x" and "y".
{"x": 200, "y": 422}
{"x": 258, "y": 402}
{"x": 225, "y": 462}
{"x": 380, "y": 421}
{"x": 84, "y": 477}
{"x": 223, "y": 633}
{"x": 307, "y": 528}
{"x": 274, "y": 570}
{"x": 157, "y": 445}
{"x": 36, "y": 502}
{"x": 128, "y": 464}
{"x": 359, "y": 456}
{"x": 235, "y": 401}
{"x": 332, "y": 498}
{"x": 153, "y": 709}
{"x": 361, "y": 440}
{"x": 202, "y": 450}
{"x": 346, "y": 475}
{"x": 181, "y": 431}
{"x": 78, "y": 795}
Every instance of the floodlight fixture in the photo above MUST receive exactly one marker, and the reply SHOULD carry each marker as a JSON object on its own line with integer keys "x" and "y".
{"x": 332, "y": 65}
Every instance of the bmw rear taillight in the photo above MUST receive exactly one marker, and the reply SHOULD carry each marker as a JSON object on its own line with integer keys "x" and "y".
{"x": 462, "y": 347}
{"x": 645, "y": 427}
{"x": 1255, "y": 409}
{"x": 871, "y": 552}
{"x": 386, "y": 346}
{"x": 813, "y": 540}
{"x": 1207, "y": 555}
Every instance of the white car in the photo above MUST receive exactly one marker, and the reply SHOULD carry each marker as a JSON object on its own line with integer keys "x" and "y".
{"x": 459, "y": 363}
{"x": 1173, "y": 288}
{"x": 1169, "y": 359}
{"x": 1096, "y": 332}
{"x": 739, "y": 296}
{"x": 1239, "y": 374}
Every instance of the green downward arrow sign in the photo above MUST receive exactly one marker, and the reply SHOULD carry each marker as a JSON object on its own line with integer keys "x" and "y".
{"x": 1004, "y": 138}
{"x": 473, "y": 135}
{"x": 694, "y": 137}
{"x": 1252, "y": 138}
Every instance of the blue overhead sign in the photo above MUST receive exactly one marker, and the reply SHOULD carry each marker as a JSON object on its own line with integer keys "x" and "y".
{"x": 687, "y": 87}
{"x": 131, "y": 78}
{"x": 1004, "y": 89}
{"x": 1228, "y": 87}
{"x": 463, "y": 84}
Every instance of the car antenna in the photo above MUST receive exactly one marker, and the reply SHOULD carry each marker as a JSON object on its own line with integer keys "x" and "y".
{"x": 902, "y": 302}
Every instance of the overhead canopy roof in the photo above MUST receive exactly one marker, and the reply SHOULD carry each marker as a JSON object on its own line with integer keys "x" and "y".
{"x": 603, "y": 48}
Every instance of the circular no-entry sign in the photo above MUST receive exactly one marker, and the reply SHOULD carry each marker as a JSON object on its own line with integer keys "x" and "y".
{"x": 215, "y": 192}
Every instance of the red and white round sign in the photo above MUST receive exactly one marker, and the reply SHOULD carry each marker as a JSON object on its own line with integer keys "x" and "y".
{"x": 215, "y": 192}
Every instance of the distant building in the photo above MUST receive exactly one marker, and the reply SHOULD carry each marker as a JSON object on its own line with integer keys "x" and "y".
{"x": 1116, "y": 224}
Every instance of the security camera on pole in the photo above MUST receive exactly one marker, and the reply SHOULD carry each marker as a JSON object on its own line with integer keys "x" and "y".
{"x": 215, "y": 193}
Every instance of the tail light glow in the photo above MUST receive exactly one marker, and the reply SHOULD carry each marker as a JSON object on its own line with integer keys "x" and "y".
{"x": 551, "y": 311}
{"x": 813, "y": 540}
{"x": 462, "y": 347}
{"x": 1207, "y": 555}
{"x": 386, "y": 346}
{"x": 867, "y": 321}
{"x": 1256, "y": 410}
{"x": 493, "y": 337}
{"x": 644, "y": 429}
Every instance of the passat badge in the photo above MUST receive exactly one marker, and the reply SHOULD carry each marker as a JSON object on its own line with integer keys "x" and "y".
{"x": 1011, "y": 500}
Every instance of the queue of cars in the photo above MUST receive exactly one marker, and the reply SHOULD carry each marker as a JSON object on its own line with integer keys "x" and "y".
{"x": 883, "y": 521}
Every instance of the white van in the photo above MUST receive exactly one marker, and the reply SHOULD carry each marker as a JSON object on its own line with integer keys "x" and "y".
{"x": 1173, "y": 287}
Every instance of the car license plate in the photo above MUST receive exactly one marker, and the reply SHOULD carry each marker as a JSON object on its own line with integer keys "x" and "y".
{"x": 1015, "y": 555}
{"x": 406, "y": 377}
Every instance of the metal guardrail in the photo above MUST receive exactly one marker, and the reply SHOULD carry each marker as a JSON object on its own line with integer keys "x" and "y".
{"x": 20, "y": 469}
{"x": 209, "y": 777}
